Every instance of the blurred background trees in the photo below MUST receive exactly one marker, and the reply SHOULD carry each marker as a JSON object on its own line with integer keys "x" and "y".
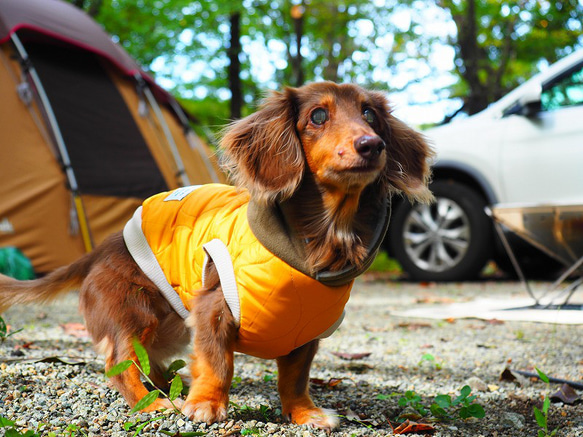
{"x": 448, "y": 55}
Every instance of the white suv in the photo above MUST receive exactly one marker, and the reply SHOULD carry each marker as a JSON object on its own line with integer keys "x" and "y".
{"x": 525, "y": 148}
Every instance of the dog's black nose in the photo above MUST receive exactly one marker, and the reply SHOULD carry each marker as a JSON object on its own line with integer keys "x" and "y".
{"x": 369, "y": 146}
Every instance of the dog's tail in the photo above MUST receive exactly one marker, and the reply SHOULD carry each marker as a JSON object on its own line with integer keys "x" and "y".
{"x": 60, "y": 281}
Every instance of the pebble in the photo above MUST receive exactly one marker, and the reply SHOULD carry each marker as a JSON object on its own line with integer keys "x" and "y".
{"x": 513, "y": 420}
{"x": 476, "y": 384}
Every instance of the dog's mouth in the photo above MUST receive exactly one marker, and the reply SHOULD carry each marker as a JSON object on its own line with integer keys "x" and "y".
{"x": 365, "y": 169}
{"x": 365, "y": 166}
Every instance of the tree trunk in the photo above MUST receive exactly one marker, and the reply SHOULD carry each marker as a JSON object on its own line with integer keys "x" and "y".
{"x": 297, "y": 13}
{"x": 235, "y": 66}
{"x": 471, "y": 55}
{"x": 94, "y": 8}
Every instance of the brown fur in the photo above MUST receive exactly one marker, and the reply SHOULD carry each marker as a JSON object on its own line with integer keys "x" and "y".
{"x": 318, "y": 174}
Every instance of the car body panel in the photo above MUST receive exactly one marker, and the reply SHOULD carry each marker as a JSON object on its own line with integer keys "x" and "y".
{"x": 526, "y": 148}
{"x": 517, "y": 158}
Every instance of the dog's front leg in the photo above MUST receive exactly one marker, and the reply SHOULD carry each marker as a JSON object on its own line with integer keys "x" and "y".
{"x": 215, "y": 333}
{"x": 293, "y": 386}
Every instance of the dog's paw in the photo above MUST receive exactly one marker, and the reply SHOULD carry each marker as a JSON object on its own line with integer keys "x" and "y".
{"x": 317, "y": 417}
{"x": 205, "y": 411}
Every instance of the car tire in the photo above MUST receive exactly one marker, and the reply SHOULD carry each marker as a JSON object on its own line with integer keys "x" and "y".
{"x": 449, "y": 240}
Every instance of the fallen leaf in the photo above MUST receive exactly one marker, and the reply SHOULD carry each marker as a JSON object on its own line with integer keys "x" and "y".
{"x": 360, "y": 367}
{"x": 331, "y": 383}
{"x": 509, "y": 375}
{"x": 434, "y": 299}
{"x": 413, "y": 326}
{"x": 349, "y": 356}
{"x": 27, "y": 345}
{"x": 75, "y": 329}
{"x": 565, "y": 394}
{"x": 351, "y": 415}
{"x": 63, "y": 360}
{"x": 376, "y": 329}
{"x": 495, "y": 322}
{"x": 409, "y": 427}
{"x": 410, "y": 414}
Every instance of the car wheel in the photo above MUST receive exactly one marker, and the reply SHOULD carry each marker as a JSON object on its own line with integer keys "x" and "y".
{"x": 448, "y": 240}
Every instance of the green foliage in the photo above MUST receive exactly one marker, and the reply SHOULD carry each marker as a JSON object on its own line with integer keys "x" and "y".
{"x": 542, "y": 415}
{"x": 12, "y": 430}
{"x": 497, "y": 44}
{"x": 139, "y": 426}
{"x": 146, "y": 401}
{"x": 269, "y": 376}
{"x": 143, "y": 365}
{"x": 250, "y": 431}
{"x": 4, "y": 334}
{"x": 119, "y": 368}
{"x": 142, "y": 356}
{"x": 500, "y": 43}
{"x": 429, "y": 358}
{"x": 413, "y": 400}
{"x": 264, "y": 410}
{"x": 443, "y": 406}
{"x": 382, "y": 263}
{"x": 236, "y": 381}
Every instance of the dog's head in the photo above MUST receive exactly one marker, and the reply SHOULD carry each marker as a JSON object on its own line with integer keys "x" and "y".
{"x": 344, "y": 135}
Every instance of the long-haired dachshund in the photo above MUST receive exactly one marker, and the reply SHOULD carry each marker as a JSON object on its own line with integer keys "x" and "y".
{"x": 264, "y": 268}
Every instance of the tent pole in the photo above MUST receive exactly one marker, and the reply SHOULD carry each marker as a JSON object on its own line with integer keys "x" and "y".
{"x": 181, "y": 174}
{"x": 193, "y": 142}
{"x": 54, "y": 126}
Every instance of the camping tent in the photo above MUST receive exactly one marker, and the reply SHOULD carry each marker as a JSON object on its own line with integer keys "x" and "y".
{"x": 85, "y": 134}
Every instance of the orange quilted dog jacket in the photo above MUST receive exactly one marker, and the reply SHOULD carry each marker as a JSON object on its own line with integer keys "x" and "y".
{"x": 278, "y": 308}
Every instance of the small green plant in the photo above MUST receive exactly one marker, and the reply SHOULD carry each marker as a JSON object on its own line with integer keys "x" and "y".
{"x": 250, "y": 431}
{"x": 12, "y": 430}
{"x": 542, "y": 415}
{"x": 413, "y": 400}
{"x": 4, "y": 334}
{"x": 143, "y": 366}
{"x": 138, "y": 426}
{"x": 73, "y": 429}
{"x": 444, "y": 404}
{"x": 265, "y": 411}
{"x": 236, "y": 381}
{"x": 269, "y": 376}
{"x": 182, "y": 433}
{"x": 429, "y": 358}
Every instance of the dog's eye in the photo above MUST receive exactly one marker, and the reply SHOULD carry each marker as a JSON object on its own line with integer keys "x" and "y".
{"x": 319, "y": 116}
{"x": 369, "y": 115}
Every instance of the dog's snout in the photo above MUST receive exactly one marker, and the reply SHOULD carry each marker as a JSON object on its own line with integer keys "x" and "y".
{"x": 369, "y": 146}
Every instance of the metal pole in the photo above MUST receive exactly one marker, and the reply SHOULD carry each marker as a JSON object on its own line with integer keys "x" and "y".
{"x": 54, "y": 126}
{"x": 194, "y": 142}
{"x": 181, "y": 174}
{"x": 510, "y": 253}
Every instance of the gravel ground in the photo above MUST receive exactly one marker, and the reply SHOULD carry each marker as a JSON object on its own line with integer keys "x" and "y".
{"x": 51, "y": 380}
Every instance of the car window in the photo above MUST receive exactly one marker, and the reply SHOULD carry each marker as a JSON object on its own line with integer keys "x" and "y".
{"x": 565, "y": 91}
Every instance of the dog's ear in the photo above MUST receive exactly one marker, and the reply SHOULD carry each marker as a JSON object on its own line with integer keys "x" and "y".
{"x": 262, "y": 152}
{"x": 408, "y": 155}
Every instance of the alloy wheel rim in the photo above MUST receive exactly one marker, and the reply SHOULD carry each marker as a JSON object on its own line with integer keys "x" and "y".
{"x": 437, "y": 236}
